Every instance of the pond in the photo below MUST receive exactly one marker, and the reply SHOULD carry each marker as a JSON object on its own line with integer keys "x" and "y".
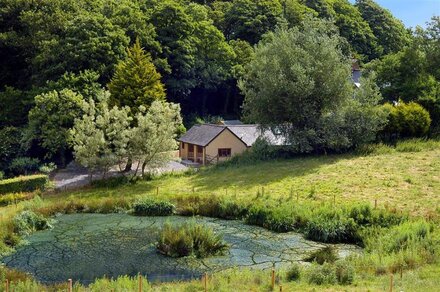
{"x": 88, "y": 246}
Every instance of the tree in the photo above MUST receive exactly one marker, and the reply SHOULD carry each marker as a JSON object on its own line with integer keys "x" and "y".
{"x": 88, "y": 42}
{"x": 323, "y": 8}
{"x": 51, "y": 119}
{"x": 299, "y": 85}
{"x": 355, "y": 29}
{"x": 214, "y": 56}
{"x": 100, "y": 137}
{"x": 249, "y": 19}
{"x": 136, "y": 81}
{"x": 153, "y": 139}
{"x": 389, "y": 31}
{"x": 295, "y": 11}
{"x": 174, "y": 29}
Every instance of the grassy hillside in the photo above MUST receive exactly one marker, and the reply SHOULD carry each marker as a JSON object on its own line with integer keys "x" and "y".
{"x": 405, "y": 178}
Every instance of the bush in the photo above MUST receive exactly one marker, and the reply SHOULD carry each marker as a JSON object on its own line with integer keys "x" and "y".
{"x": 322, "y": 274}
{"x": 149, "y": 207}
{"x": 27, "y": 222}
{"x": 211, "y": 206}
{"x": 294, "y": 273}
{"x": 112, "y": 182}
{"x": 324, "y": 255}
{"x": 271, "y": 218}
{"x": 344, "y": 272}
{"x": 189, "y": 239}
{"x": 24, "y": 184}
{"x": 9, "y": 199}
{"x": 24, "y": 165}
{"x": 407, "y": 120}
{"x": 47, "y": 168}
{"x": 332, "y": 230}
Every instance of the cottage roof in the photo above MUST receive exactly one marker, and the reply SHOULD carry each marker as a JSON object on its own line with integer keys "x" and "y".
{"x": 203, "y": 134}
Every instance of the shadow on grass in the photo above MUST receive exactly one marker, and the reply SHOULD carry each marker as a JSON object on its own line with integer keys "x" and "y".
{"x": 262, "y": 173}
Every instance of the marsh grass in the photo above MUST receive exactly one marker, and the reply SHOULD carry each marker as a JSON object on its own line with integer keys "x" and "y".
{"x": 190, "y": 239}
{"x": 323, "y": 255}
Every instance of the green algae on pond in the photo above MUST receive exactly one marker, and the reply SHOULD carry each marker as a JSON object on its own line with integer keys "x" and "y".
{"x": 88, "y": 246}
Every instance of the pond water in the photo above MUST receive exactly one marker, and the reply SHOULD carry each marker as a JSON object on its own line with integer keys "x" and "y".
{"x": 88, "y": 246}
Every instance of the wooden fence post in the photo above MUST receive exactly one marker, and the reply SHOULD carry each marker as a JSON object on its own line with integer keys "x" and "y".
{"x": 281, "y": 288}
{"x": 205, "y": 280}
{"x": 7, "y": 285}
{"x": 70, "y": 286}
{"x": 273, "y": 278}
{"x": 157, "y": 191}
{"x": 375, "y": 203}
{"x": 140, "y": 282}
{"x": 391, "y": 283}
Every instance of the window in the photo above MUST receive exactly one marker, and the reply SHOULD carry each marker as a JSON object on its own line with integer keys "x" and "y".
{"x": 224, "y": 152}
{"x": 183, "y": 145}
{"x": 190, "y": 148}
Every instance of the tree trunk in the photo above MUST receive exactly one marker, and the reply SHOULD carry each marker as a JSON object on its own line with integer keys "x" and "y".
{"x": 144, "y": 164}
{"x": 128, "y": 165}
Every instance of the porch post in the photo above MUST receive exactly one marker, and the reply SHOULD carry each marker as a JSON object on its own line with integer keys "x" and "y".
{"x": 203, "y": 155}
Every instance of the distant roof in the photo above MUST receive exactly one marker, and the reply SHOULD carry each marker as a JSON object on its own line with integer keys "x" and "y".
{"x": 356, "y": 77}
{"x": 203, "y": 134}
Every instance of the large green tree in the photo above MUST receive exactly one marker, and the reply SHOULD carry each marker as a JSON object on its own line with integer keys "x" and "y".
{"x": 356, "y": 30}
{"x": 51, "y": 119}
{"x": 250, "y": 19}
{"x": 299, "y": 85}
{"x": 136, "y": 81}
{"x": 389, "y": 31}
{"x": 90, "y": 41}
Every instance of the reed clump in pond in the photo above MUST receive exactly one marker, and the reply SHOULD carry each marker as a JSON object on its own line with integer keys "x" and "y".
{"x": 190, "y": 239}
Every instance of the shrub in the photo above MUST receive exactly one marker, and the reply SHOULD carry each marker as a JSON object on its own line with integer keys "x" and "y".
{"x": 112, "y": 182}
{"x": 149, "y": 207}
{"x": 271, "y": 218}
{"x": 24, "y": 184}
{"x": 211, "y": 206}
{"x": 407, "y": 120}
{"x": 27, "y": 222}
{"x": 24, "y": 165}
{"x": 47, "y": 168}
{"x": 324, "y": 255}
{"x": 14, "y": 198}
{"x": 322, "y": 274}
{"x": 332, "y": 230}
{"x": 344, "y": 272}
{"x": 294, "y": 273}
{"x": 189, "y": 239}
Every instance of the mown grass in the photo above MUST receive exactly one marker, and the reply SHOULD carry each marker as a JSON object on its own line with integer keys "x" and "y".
{"x": 314, "y": 195}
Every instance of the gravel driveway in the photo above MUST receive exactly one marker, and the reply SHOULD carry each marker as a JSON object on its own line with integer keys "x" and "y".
{"x": 74, "y": 175}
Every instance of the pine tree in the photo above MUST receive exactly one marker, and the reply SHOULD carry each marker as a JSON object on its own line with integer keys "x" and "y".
{"x": 136, "y": 81}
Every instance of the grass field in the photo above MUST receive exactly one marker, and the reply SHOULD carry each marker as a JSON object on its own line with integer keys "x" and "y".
{"x": 405, "y": 178}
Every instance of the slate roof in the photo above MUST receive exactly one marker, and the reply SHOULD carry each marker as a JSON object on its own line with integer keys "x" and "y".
{"x": 355, "y": 77}
{"x": 203, "y": 134}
